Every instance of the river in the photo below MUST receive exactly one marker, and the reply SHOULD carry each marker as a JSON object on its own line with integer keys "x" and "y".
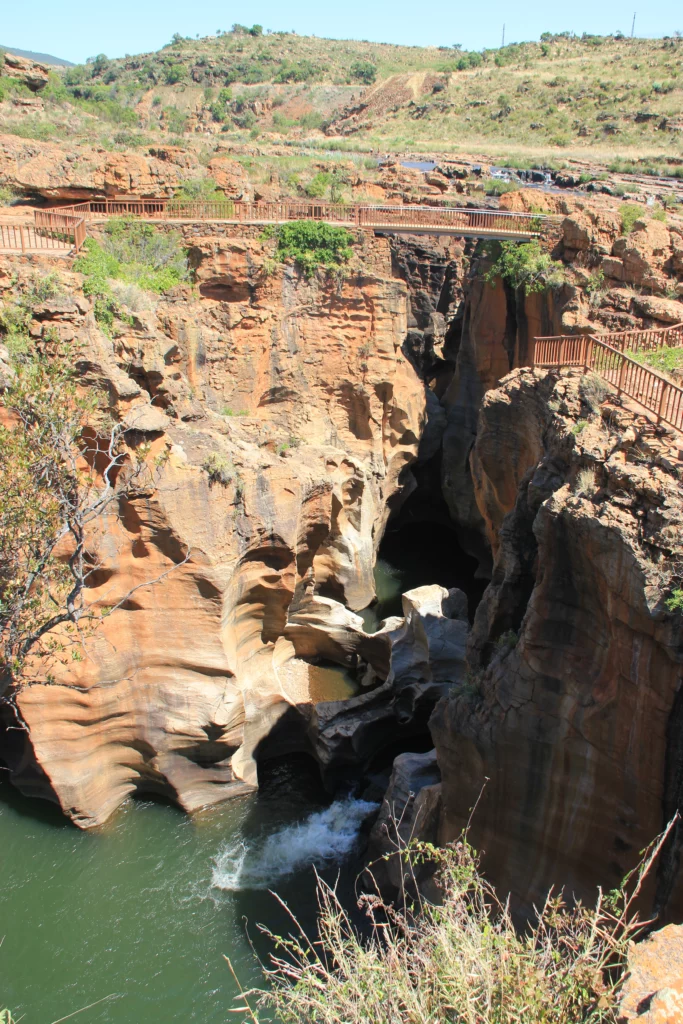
{"x": 140, "y": 913}
{"x": 143, "y": 910}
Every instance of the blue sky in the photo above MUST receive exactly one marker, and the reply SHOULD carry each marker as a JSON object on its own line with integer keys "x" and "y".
{"x": 80, "y": 29}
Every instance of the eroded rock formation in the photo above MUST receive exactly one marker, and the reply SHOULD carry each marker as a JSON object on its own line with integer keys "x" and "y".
{"x": 259, "y": 529}
{"x": 571, "y": 732}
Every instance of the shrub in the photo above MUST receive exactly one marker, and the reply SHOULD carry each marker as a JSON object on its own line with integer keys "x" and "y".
{"x": 8, "y": 195}
{"x": 318, "y": 185}
{"x": 363, "y": 71}
{"x": 199, "y": 189}
{"x": 629, "y": 214}
{"x": 313, "y": 244}
{"x": 132, "y": 252}
{"x": 526, "y": 265}
{"x": 594, "y": 391}
{"x": 174, "y": 120}
{"x": 175, "y": 73}
{"x": 585, "y": 483}
{"x": 219, "y": 468}
{"x": 461, "y": 960}
{"x": 675, "y": 602}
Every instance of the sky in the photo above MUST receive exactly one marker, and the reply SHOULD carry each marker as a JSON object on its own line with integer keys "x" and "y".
{"x": 80, "y": 29}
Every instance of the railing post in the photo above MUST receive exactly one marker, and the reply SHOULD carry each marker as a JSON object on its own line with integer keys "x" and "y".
{"x": 584, "y": 353}
{"x": 21, "y": 238}
{"x": 622, "y": 371}
{"x": 660, "y": 404}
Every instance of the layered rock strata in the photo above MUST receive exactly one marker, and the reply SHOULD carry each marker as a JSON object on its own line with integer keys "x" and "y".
{"x": 247, "y": 545}
{"x": 569, "y": 730}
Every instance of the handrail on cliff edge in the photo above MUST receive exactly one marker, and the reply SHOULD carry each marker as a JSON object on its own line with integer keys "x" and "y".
{"x": 454, "y": 220}
{"x": 609, "y": 359}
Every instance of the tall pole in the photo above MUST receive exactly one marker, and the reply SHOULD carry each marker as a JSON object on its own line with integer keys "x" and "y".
{"x": 633, "y": 25}
{"x": 503, "y": 43}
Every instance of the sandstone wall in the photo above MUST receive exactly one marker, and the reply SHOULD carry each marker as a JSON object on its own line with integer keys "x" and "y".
{"x": 568, "y": 725}
{"x": 299, "y": 392}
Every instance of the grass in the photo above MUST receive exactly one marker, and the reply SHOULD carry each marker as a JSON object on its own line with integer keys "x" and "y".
{"x": 459, "y": 960}
{"x": 668, "y": 361}
{"x": 580, "y": 94}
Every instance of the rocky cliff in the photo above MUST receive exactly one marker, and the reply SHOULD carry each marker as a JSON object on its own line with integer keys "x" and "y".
{"x": 278, "y": 416}
{"x": 568, "y": 727}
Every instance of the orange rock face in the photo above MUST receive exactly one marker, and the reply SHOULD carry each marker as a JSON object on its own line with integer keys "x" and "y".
{"x": 50, "y": 171}
{"x": 653, "y": 993}
{"x": 260, "y": 529}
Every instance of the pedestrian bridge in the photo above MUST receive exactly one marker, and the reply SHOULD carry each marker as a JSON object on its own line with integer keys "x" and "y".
{"x": 432, "y": 220}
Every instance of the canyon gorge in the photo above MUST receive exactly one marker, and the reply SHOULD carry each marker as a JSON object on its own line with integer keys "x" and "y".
{"x": 293, "y": 431}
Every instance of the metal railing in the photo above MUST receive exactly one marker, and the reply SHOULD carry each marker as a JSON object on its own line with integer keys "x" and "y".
{"x": 651, "y": 389}
{"x": 50, "y": 233}
{"x": 400, "y": 218}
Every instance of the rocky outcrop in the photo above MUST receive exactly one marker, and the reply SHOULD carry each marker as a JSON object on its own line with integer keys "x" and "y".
{"x": 241, "y": 555}
{"x": 423, "y": 656}
{"x": 569, "y": 727}
{"x": 50, "y": 170}
{"x": 410, "y": 811}
{"x": 653, "y": 992}
{"x": 28, "y": 71}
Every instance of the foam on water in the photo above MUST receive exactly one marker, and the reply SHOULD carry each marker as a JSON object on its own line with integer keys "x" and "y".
{"x": 323, "y": 838}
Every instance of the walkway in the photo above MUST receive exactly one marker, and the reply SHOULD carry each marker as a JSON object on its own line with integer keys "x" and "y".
{"x": 51, "y": 234}
{"x": 433, "y": 220}
{"x": 607, "y": 355}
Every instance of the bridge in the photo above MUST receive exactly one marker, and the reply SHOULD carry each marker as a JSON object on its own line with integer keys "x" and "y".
{"x": 62, "y": 230}
{"x": 611, "y": 357}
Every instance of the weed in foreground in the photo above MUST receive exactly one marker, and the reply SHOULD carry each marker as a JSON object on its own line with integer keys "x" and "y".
{"x": 459, "y": 962}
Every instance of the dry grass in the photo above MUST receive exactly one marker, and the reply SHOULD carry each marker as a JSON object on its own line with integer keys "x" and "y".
{"x": 581, "y": 95}
{"x": 461, "y": 960}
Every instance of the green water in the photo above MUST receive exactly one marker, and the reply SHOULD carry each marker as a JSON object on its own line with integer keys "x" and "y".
{"x": 143, "y": 909}
{"x": 130, "y": 910}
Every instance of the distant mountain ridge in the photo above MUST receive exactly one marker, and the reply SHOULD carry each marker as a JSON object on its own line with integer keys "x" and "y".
{"x": 42, "y": 58}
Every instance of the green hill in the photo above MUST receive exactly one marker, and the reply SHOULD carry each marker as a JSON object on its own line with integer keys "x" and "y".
{"x": 599, "y": 95}
{"x": 42, "y": 58}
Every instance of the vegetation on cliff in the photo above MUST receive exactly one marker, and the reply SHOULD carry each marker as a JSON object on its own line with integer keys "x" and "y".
{"x": 135, "y": 253}
{"x": 524, "y": 265}
{"x": 313, "y": 244}
{"x": 461, "y": 960}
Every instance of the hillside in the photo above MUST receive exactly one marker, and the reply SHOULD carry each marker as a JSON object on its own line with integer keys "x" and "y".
{"x": 42, "y": 58}
{"x": 565, "y": 96}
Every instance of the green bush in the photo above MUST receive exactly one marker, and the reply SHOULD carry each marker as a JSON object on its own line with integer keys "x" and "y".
{"x": 313, "y": 244}
{"x": 363, "y": 71}
{"x": 629, "y": 214}
{"x": 175, "y": 120}
{"x": 318, "y": 185}
{"x": 133, "y": 252}
{"x": 526, "y": 265}
{"x": 675, "y": 602}
{"x": 175, "y": 73}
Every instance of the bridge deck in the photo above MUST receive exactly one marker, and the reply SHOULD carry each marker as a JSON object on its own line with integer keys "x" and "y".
{"x": 400, "y": 228}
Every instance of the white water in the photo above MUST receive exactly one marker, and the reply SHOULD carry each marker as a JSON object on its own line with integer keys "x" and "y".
{"x": 324, "y": 838}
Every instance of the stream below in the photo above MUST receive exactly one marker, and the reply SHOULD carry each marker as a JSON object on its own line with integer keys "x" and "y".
{"x": 141, "y": 912}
